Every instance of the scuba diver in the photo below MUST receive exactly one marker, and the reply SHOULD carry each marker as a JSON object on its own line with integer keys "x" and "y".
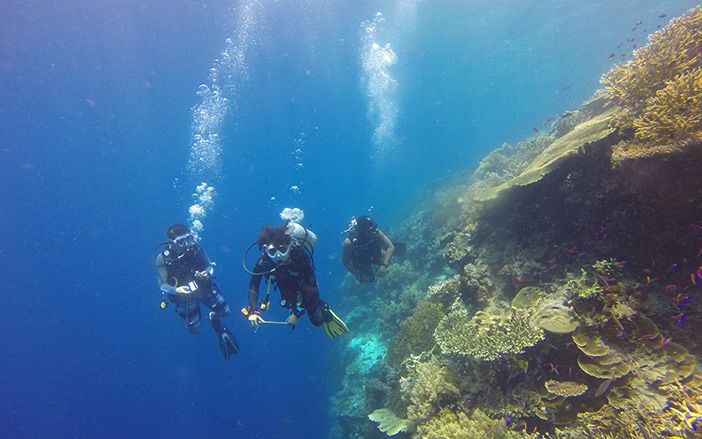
{"x": 286, "y": 260}
{"x": 365, "y": 247}
{"x": 186, "y": 278}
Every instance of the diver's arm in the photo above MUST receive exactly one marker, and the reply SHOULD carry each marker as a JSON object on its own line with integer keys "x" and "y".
{"x": 255, "y": 283}
{"x": 346, "y": 255}
{"x": 203, "y": 262}
{"x": 162, "y": 273}
{"x": 389, "y": 248}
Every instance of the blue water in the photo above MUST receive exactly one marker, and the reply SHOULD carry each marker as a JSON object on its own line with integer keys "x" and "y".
{"x": 96, "y": 122}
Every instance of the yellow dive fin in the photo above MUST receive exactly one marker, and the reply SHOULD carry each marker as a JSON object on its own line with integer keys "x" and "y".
{"x": 335, "y": 326}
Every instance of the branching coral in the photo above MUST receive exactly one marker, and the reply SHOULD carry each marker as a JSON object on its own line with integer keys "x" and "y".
{"x": 426, "y": 387}
{"x": 446, "y": 291}
{"x": 486, "y": 336}
{"x": 448, "y": 424}
{"x": 674, "y": 112}
{"x": 659, "y": 90}
{"x": 416, "y": 332}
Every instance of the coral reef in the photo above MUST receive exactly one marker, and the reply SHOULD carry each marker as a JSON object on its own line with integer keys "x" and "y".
{"x": 487, "y": 335}
{"x": 450, "y": 424}
{"x": 659, "y": 92}
{"x": 416, "y": 333}
{"x": 566, "y": 389}
{"x": 388, "y": 422}
{"x": 426, "y": 387}
{"x": 549, "y": 294}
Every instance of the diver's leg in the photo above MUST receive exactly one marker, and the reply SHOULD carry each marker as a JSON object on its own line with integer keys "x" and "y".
{"x": 189, "y": 311}
{"x": 214, "y": 300}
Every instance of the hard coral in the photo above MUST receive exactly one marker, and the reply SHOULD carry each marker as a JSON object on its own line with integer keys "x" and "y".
{"x": 448, "y": 424}
{"x": 659, "y": 90}
{"x": 565, "y": 388}
{"x": 416, "y": 333}
{"x": 673, "y": 114}
{"x": 426, "y": 387}
{"x": 487, "y": 336}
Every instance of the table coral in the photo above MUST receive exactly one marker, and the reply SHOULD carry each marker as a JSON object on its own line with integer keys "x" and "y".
{"x": 487, "y": 336}
{"x": 565, "y": 388}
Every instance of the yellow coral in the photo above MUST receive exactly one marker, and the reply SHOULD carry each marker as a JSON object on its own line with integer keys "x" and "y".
{"x": 426, "y": 385}
{"x": 674, "y": 113}
{"x": 659, "y": 90}
{"x": 416, "y": 333}
{"x": 448, "y": 424}
{"x": 565, "y": 388}
{"x": 487, "y": 336}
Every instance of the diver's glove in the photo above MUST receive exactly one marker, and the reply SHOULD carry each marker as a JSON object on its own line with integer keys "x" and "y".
{"x": 291, "y": 321}
{"x": 183, "y": 290}
{"x": 255, "y": 318}
{"x": 203, "y": 275}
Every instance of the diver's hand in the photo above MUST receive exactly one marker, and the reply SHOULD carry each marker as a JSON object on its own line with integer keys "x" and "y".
{"x": 202, "y": 275}
{"x": 291, "y": 321}
{"x": 255, "y": 319}
{"x": 383, "y": 271}
{"x": 183, "y": 290}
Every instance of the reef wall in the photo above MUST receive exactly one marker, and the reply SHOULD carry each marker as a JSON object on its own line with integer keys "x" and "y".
{"x": 553, "y": 292}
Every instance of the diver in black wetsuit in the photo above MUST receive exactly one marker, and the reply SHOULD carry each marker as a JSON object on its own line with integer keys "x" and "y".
{"x": 286, "y": 261}
{"x": 186, "y": 278}
{"x": 365, "y": 247}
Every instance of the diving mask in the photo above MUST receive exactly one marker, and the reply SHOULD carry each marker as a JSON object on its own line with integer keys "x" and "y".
{"x": 278, "y": 254}
{"x": 352, "y": 225}
{"x": 183, "y": 241}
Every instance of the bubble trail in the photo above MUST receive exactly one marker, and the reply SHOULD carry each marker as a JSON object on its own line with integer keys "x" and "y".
{"x": 218, "y": 94}
{"x": 376, "y": 60}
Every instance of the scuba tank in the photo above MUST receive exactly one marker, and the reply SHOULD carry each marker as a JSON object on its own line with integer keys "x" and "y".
{"x": 303, "y": 236}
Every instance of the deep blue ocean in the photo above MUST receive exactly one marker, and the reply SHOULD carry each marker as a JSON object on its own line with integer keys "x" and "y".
{"x": 96, "y": 130}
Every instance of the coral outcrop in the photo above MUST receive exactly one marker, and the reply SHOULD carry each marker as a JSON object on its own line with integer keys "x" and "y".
{"x": 554, "y": 292}
{"x": 487, "y": 335}
{"x": 659, "y": 92}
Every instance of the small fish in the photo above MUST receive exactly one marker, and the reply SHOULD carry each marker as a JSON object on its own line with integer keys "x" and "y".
{"x": 648, "y": 337}
{"x": 696, "y": 227}
{"x": 672, "y": 268}
{"x": 662, "y": 15}
{"x": 680, "y": 300}
{"x": 536, "y": 130}
{"x": 602, "y": 388}
{"x": 696, "y": 276}
{"x": 679, "y": 319}
{"x": 612, "y": 55}
{"x": 634, "y": 46}
{"x": 634, "y": 29}
{"x": 670, "y": 288}
{"x": 665, "y": 341}
{"x": 639, "y": 23}
{"x": 620, "y": 45}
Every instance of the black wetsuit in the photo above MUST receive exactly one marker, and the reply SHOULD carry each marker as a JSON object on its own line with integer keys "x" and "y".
{"x": 365, "y": 251}
{"x": 296, "y": 281}
{"x": 181, "y": 271}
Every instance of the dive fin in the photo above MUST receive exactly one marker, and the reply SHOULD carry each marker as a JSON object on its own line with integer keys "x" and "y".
{"x": 334, "y": 326}
{"x": 225, "y": 339}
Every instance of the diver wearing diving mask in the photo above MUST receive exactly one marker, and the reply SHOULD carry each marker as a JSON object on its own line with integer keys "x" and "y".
{"x": 286, "y": 260}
